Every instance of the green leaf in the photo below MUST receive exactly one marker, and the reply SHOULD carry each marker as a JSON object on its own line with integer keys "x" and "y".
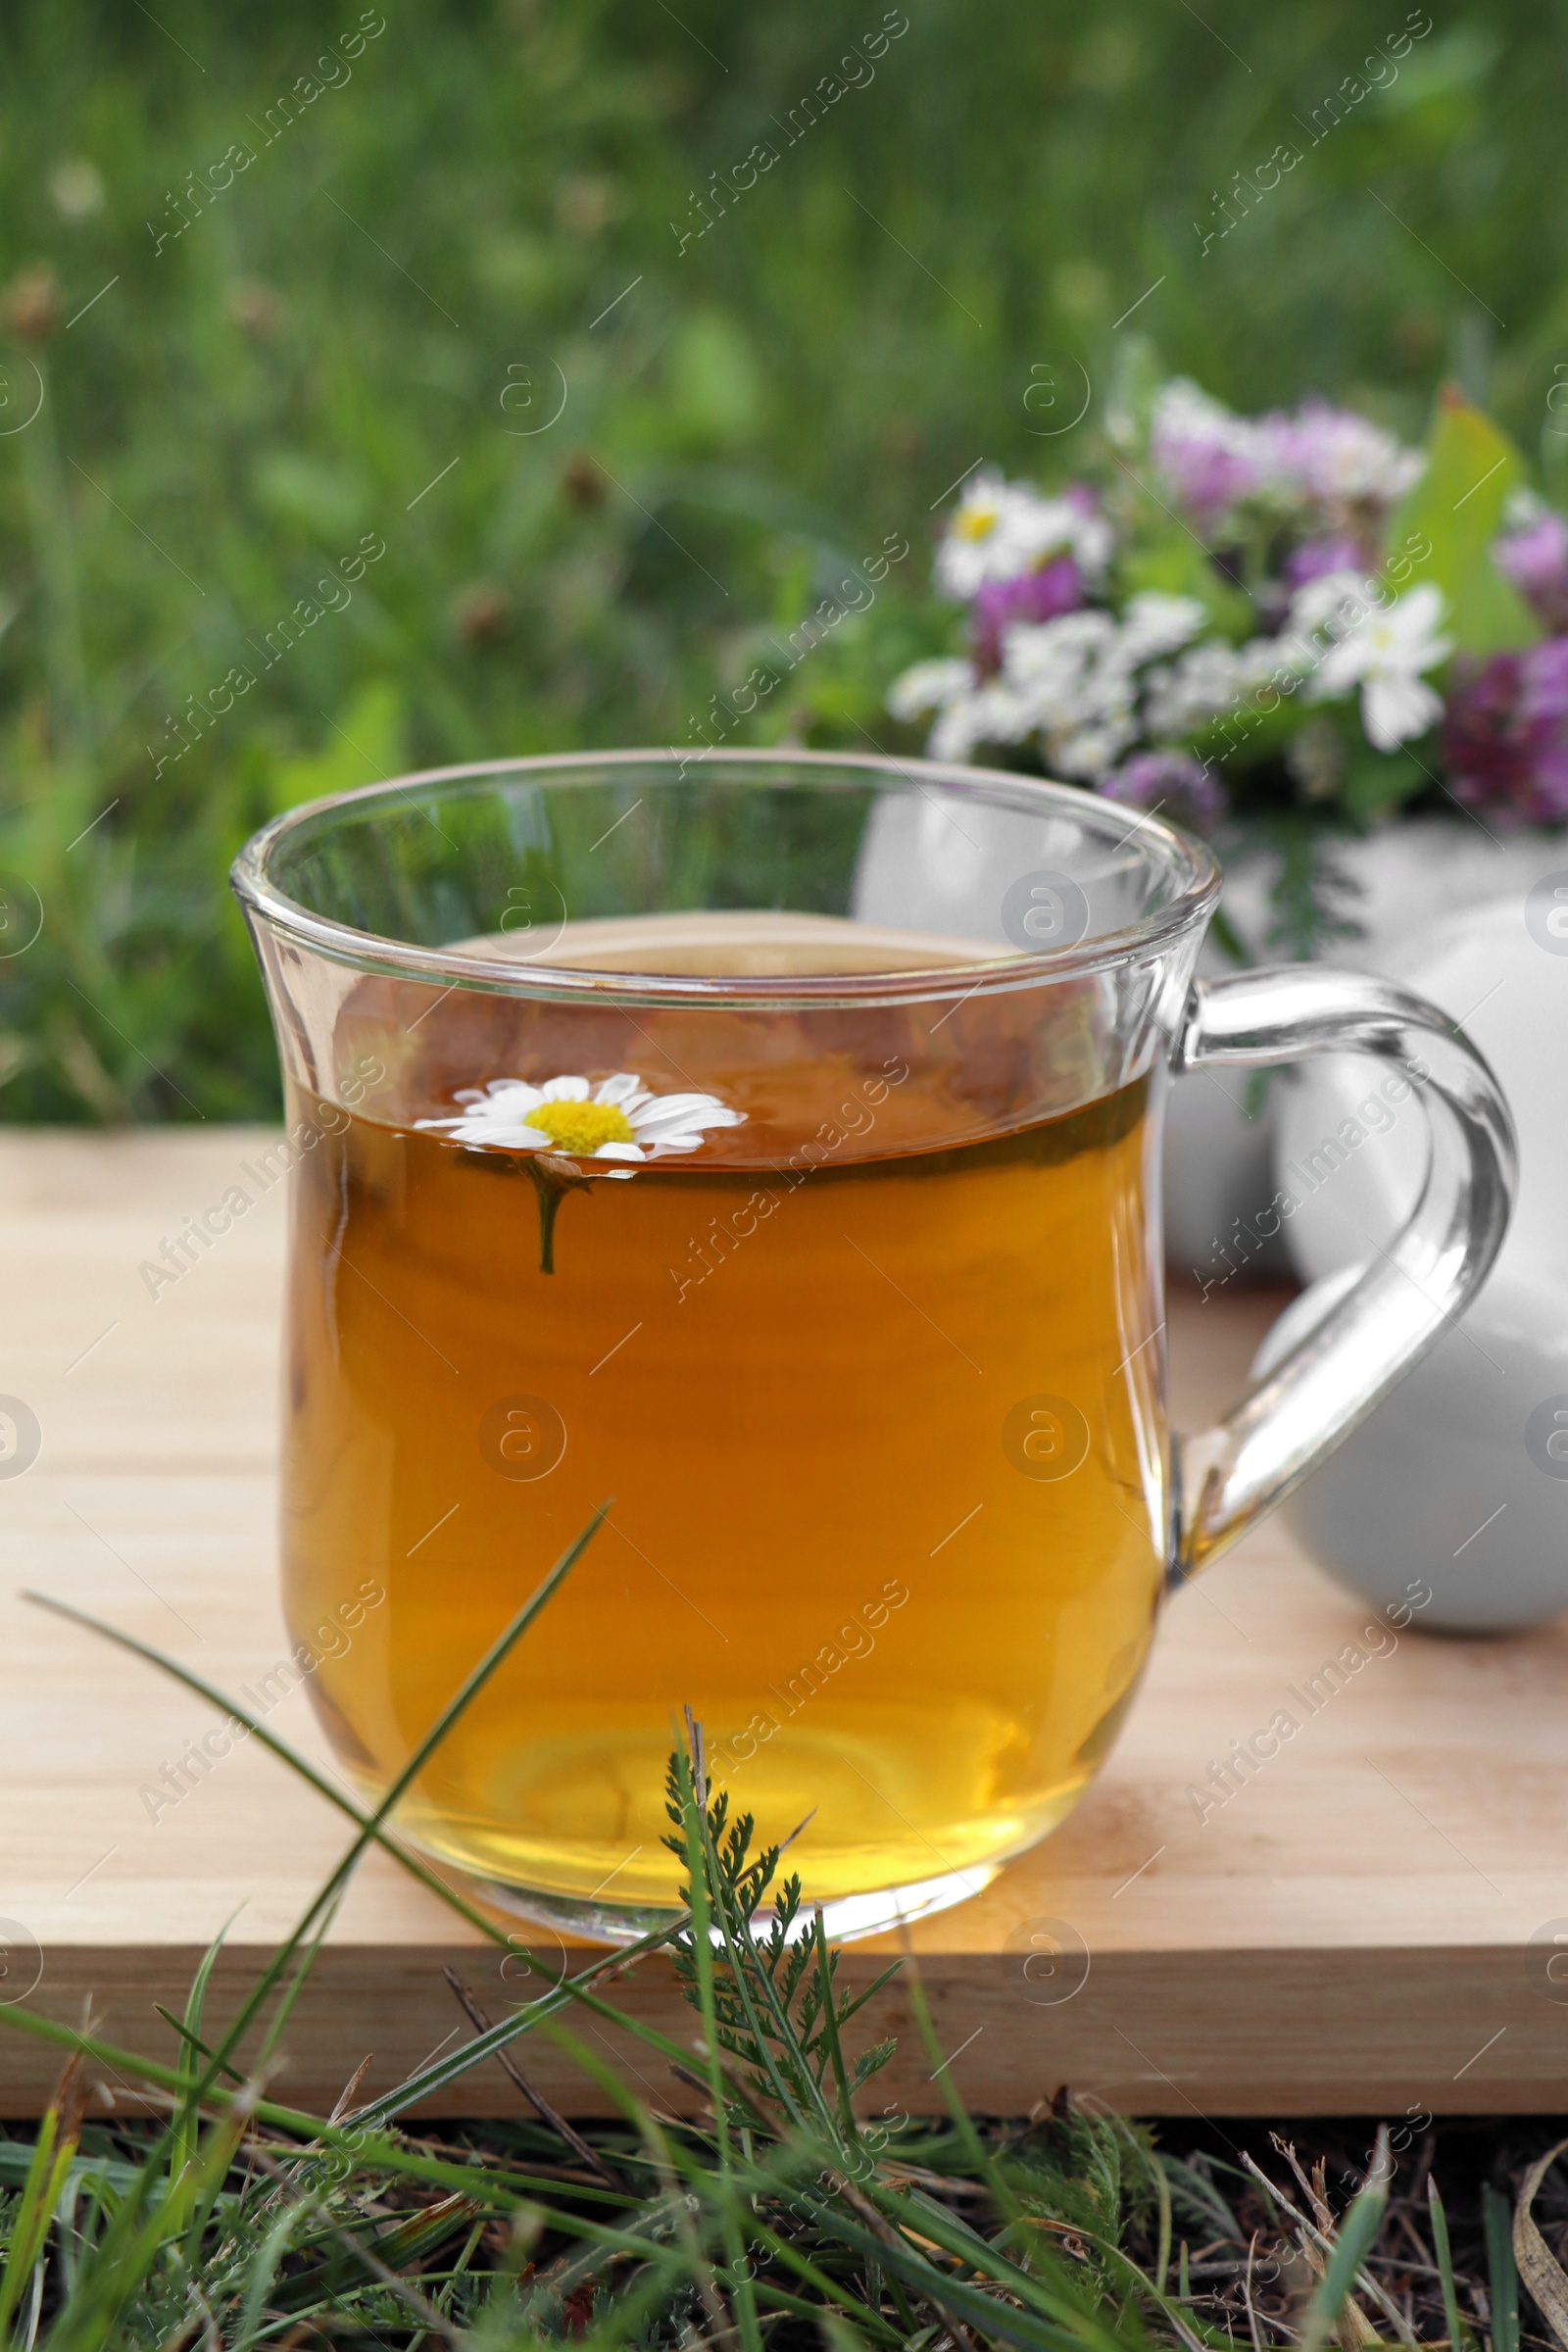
{"x": 1502, "y": 2277}
{"x": 1376, "y": 784}
{"x": 1136, "y": 375}
{"x": 1444, "y": 529}
{"x": 1167, "y": 558}
{"x": 364, "y": 745}
{"x": 312, "y": 496}
{"x": 717, "y": 390}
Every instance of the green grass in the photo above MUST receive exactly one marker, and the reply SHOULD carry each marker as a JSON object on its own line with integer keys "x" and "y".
{"x": 333, "y": 331}
{"x": 794, "y": 2208}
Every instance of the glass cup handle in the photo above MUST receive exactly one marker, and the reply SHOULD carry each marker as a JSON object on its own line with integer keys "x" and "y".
{"x": 1230, "y": 1474}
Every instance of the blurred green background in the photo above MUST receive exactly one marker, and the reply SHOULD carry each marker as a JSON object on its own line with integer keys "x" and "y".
{"x": 322, "y": 355}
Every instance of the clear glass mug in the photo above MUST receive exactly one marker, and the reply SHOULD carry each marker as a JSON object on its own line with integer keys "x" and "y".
{"x": 772, "y": 1144}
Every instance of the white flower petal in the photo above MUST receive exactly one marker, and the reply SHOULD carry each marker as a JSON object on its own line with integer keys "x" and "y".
{"x": 1418, "y": 611}
{"x": 671, "y": 1113}
{"x": 1339, "y": 668}
{"x": 676, "y": 1105}
{"x": 1338, "y": 597}
{"x": 618, "y": 1151}
{"x": 491, "y": 1137}
{"x": 564, "y": 1090}
{"x": 1395, "y": 707}
{"x": 1156, "y": 624}
{"x": 929, "y": 686}
{"x": 618, "y": 1089}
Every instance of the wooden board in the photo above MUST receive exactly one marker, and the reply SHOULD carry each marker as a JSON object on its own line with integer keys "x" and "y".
{"x": 1351, "y": 1932}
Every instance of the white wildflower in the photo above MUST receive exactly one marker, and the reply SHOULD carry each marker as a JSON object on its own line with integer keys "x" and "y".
{"x": 929, "y": 686}
{"x": 1385, "y": 653}
{"x": 1080, "y": 688}
{"x": 988, "y": 712}
{"x": 1155, "y": 623}
{"x": 1184, "y": 698}
{"x": 619, "y": 1120}
{"x": 1001, "y": 529}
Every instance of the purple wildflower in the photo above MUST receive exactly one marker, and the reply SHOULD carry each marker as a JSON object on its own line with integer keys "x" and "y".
{"x": 1209, "y": 457}
{"x": 1336, "y": 460}
{"x": 1505, "y": 736}
{"x": 1034, "y": 596}
{"x": 1315, "y": 558}
{"x": 1174, "y": 783}
{"x": 1323, "y": 462}
{"x": 1535, "y": 562}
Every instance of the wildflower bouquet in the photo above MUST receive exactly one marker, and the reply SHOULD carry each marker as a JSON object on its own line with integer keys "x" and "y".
{"x": 1271, "y": 628}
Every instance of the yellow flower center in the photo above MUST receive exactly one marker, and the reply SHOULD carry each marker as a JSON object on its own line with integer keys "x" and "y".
{"x": 975, "y": 522}
{"x": 581, "y": 1126}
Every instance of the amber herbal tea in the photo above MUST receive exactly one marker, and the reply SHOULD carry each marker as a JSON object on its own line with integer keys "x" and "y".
{"x": 881, "y": 1417}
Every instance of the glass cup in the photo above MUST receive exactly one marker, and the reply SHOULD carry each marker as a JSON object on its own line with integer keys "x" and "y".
{"x": 772, "y": 1143}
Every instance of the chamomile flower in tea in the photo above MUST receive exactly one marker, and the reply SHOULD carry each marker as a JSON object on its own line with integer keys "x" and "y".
{"x": 618, "y": 1119}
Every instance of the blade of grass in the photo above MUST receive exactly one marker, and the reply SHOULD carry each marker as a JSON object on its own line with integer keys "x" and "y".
{"x": 186, "y": 2129}
{"x": 1457, "y": 2337}
{"x": 194, "y": 2041}
{"x": 304, "y": 1963}
{"x": 371, "y": 1824}
{"x": 29, "y": 2225}
{"x": 1501, "y": 2275}
{"x": 1203, "y": 2197}
{"x": 1162, "y": 2197}
{"x": 1353, "y": 2242}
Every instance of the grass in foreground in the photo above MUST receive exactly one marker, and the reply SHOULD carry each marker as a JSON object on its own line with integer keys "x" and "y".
{"x": 777, "y": 2215}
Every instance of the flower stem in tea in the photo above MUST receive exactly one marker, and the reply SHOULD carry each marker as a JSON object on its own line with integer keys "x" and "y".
{"x": 551, "y": 1179}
